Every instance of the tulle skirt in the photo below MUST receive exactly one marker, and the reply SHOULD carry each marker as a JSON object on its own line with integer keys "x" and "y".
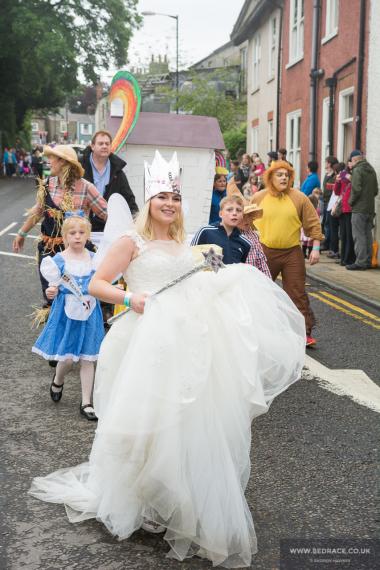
{"x": 176, "y": 390}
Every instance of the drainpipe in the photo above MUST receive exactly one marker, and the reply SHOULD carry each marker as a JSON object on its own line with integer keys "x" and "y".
{"x": 331, "y": 83}
{"x": 359, "y": 100}
{"x": 315, "y": 73}
{"x": 279, "y": 60}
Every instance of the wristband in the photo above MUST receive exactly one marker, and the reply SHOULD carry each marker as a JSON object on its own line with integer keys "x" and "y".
{"x": 316, "y": 247}
{"x": 127, "y": 299}
{"x": 22, "y": 234}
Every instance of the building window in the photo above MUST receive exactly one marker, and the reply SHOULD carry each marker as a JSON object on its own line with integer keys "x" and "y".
{"x": 34, "y": 127}
{"x": 346, "y": 123}
{"x": 117, "y": 108}
{"x": 296, "y": 30}
{"x": 63, "y": 127}
{"x": 255, "y": 139}
{"x": 332, "y": 17}
{"x": 243, "y": 69}
{"x": 272, "y": 47}
{"x": 256, "y": 56}
{"x": 293, "y": 141}
{"x": 270, "y": 135}
{"x": 86, "y": 129}
{"x": 325, "y": 149}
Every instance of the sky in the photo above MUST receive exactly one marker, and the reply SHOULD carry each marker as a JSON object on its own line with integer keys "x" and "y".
{"x": 204, "y": 25}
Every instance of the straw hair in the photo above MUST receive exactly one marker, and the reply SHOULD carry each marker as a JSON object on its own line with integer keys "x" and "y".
{"x": 144, "y": 225}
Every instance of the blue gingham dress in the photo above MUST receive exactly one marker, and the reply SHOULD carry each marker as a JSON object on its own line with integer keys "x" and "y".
{"x": 71, "y": 332}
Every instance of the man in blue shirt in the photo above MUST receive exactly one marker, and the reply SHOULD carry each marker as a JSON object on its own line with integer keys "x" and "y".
{"x": 226, "y": 234}
{"x": 312, "y": 181}
{"x": 105, "y": 170}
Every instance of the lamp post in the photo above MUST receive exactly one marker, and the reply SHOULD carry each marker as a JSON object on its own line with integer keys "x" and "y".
{"x": 148, "y": 13}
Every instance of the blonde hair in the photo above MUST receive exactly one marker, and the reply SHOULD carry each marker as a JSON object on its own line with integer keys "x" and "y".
{"x": 68, "y": 222}
{"x": 144, "y": 226}
{"x": 234, "y": 198}
{"x": 70, "y": 174}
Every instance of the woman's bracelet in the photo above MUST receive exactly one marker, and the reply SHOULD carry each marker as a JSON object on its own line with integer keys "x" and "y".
{"x": 127, "y": 299}
{"x": 316, "y": 247}
{"x": 22, "y": 234}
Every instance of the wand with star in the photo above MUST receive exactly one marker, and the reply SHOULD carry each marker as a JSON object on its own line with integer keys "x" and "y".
{"x": 212, "y": 260}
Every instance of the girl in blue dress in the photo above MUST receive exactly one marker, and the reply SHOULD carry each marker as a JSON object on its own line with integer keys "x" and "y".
{"x": 74, "y": 330}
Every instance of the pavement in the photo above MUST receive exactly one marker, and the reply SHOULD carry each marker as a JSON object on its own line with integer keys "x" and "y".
{"x": 362, "y": 285}
{"x": 314, "y": 454}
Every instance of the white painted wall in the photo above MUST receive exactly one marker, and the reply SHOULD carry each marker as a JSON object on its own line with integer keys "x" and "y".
{"x": 262, "y": 100}
{"x": 373, "y": 107}
{"x": 198, "y": 169}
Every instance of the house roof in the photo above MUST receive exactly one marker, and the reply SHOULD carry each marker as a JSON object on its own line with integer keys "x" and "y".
{"x": 168, "y": 129}
{"x": 248, "y": 19}
{"x": 215, "y": 52}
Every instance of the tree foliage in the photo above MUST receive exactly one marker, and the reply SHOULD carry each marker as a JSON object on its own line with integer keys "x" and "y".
{"x": 236, "y": 140}
{"x": 45, "y": 44}
{"x": 210, "y": 95}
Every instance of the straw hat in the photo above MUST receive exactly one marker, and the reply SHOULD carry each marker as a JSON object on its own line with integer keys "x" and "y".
{"x": 64, "y": 151}
{"x": 257, "y": 211}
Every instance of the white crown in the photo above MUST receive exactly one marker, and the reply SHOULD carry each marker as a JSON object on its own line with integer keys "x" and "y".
{"x": 161, "y": 176}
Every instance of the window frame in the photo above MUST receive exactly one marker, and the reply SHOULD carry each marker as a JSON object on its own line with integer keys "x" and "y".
{"x": 325, "y": 148}
{"x": 343, "y": 94}
{"x": 86, "y": 132}
{"x": 296, "y": 55}
{"x": 256, "y": 58}
{"x": 272, "y": 43}
{"x": 243, "y": 69}
{"x": 63, "y": 126}
{"x": 270, "y": 134}
{"x": 331, "y": 32}
{"x": 294, "y": 153}
{"x": 254, "y": 138}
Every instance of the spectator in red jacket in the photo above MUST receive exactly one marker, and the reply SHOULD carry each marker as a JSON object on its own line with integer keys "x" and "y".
{"x": 342, "y": 188}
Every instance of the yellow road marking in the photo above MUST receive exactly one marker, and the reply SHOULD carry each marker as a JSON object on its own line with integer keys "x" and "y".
{"x": 354, "y": 307}
{"x": 345, "y": 311}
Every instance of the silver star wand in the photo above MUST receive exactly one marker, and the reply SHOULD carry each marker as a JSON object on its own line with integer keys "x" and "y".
{"x": 211, "y": 261}
{"x": 71, "y": 284}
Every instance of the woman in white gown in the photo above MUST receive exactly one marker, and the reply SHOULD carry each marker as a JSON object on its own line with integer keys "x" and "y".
{"x": 179, "y": 380}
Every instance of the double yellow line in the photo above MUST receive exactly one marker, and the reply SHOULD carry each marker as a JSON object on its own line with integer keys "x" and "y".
{"x": 348, "y": 309}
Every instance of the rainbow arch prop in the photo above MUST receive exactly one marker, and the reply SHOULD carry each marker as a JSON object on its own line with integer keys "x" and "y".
{"x": 124, "y": 86}
{"x": 220, "y": 163}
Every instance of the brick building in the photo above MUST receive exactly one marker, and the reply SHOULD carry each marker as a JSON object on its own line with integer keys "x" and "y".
{"x": 313, "y": 100}
{"x": 323, "y": 79}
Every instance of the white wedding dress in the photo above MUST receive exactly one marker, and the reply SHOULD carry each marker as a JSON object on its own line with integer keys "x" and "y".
{"x": 175, "y": 392}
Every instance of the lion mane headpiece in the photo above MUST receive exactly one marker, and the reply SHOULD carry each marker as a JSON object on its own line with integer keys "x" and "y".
{"x": 268, "y": 176}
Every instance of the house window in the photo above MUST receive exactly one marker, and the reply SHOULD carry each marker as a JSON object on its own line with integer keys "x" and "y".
{"x": 86, "y": 129}
{"x": 63, "y": 126}
{"x": 256, "y": 56}
{"x": 255, "y": 139}
{"x": 243, "y": 69}
{"x": 346, "y": 123}
{"x": 325, "y": 149}
{"x": 272, "y": 47}
{"x": 332, "y": 17}
{"x": 117, "y": 108}
{"x": 296, "y": 30}
{"x": 34, "y": 127}
{"x": 270, "y": 135}
{"x": 293, "y": 141}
